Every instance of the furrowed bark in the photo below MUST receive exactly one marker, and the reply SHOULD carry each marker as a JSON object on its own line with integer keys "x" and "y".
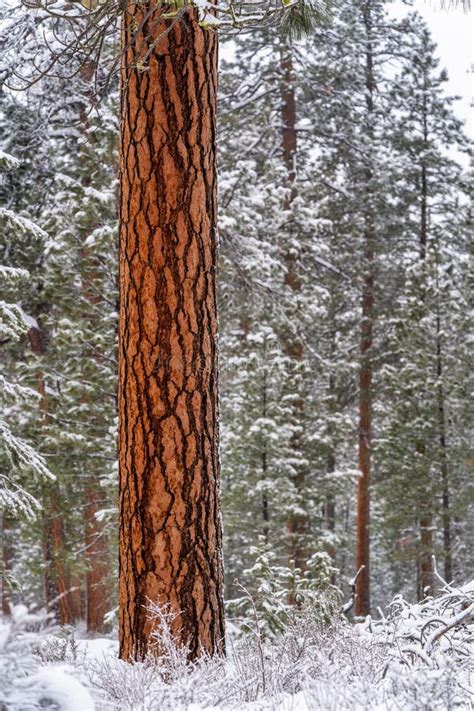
{"x": 170, "y": 532}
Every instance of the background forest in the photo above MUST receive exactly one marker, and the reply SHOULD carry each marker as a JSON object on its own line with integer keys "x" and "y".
{"x": 344, "y": 315}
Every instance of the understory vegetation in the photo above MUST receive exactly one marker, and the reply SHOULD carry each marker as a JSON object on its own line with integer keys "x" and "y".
{"x": 409, "y": 656}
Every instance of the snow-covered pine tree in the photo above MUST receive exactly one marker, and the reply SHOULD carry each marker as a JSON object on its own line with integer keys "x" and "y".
{"x": 71, "y": 150}
{"x": 19, "y": 459}
{"x": 419, "y": 452}
{"x": 275, "y": 292}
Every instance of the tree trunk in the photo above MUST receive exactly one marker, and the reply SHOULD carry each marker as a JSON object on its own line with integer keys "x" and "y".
{"x": 170, "y": 529}
{"x": 56, "y": 576}
{"x": 6, "y": 563}
{"x": 96, "y": 550}
{"x": 448, "y": 565}
{"x": 297, "y": 523}
{"x": 426, "y": 518}
{"x": 330, "y": 514}
{"x": 97, "y": 559}
{"x": 265, "y": 509}
{"x": 362, "y": 602}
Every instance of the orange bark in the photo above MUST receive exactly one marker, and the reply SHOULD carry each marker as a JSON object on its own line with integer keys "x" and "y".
{"x": 170, "y": 534}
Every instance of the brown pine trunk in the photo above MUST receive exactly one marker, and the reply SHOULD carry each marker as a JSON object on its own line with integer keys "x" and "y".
{"x": 426, "y": 519}
{"x": 448, "y": 565}
{"x": 55, "y": 532}
{"x": 97, "y": 560}
{"x": 362, "y": 602}
{"x": 57, "y": 584}
{"x": 96, "y": 550}
{"x": 297, "y": 524}
{"x": 170, "y": 530}
{"x": 6, "y": 563}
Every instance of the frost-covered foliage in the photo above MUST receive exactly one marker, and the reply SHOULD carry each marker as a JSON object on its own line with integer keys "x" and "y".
{"x": 278, "y": 588}
{"x": 64, "y": 178}
{"x": 413, "y": 657}
{"x": 18, "y": 458}
{"x": 348, "y": 160}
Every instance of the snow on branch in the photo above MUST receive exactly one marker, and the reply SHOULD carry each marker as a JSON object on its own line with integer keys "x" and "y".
{"x": 76, "y": 34}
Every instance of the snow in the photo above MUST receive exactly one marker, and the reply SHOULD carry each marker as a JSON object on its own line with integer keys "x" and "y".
{"x": 56, "y": 685}
{"x": 97, "y": 648}
{"x": 413, "y": 656}
{"x": 8, "y": 160}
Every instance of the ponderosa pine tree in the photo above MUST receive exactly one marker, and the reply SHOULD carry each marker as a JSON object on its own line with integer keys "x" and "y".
{"x": 170, "y": 528}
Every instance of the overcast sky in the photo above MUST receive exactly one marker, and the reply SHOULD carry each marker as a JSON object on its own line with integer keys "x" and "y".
{"x": 452, "y": 30}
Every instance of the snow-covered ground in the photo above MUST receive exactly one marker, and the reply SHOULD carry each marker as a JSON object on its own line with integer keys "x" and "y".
{"x": 413, "y": 657}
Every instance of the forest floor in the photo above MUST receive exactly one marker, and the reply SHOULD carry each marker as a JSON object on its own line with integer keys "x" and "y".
{"x": 413, "y": 657}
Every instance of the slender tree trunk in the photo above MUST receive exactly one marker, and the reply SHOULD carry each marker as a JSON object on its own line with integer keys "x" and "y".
{"x": 265, "y": 510}
{"x": 96, "y": 550}
{"x": 57, "y": 584}
{"x": 98, "y": 562}
{"x": 426, "y": 517}
{"x": 448, "y": 566}
{"x": 330, "y": 503}
{"x": 362, "y": 602}
{"x": 170, "y": 530}
{"x": 330, "y": 514}
{"x": 6, "y": 562}
{"x": 297, "y": 523}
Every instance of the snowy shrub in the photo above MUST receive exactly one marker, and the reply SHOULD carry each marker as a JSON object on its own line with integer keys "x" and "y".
{"x": 414, "y": 657}
{"x": 276, "y": 584}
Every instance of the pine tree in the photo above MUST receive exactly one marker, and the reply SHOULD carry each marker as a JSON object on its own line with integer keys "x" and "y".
{"x": 417, "y": 430}
{"x": 170, "y": 530}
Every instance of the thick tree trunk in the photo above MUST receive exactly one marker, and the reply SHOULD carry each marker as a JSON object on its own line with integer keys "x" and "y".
{"x": 170, "y": 529}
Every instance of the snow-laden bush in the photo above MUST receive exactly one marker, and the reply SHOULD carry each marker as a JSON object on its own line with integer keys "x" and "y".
{"x": 39, "y": 665}
{"x": 275, "y": 584}
{"x": 412, "y": 658}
